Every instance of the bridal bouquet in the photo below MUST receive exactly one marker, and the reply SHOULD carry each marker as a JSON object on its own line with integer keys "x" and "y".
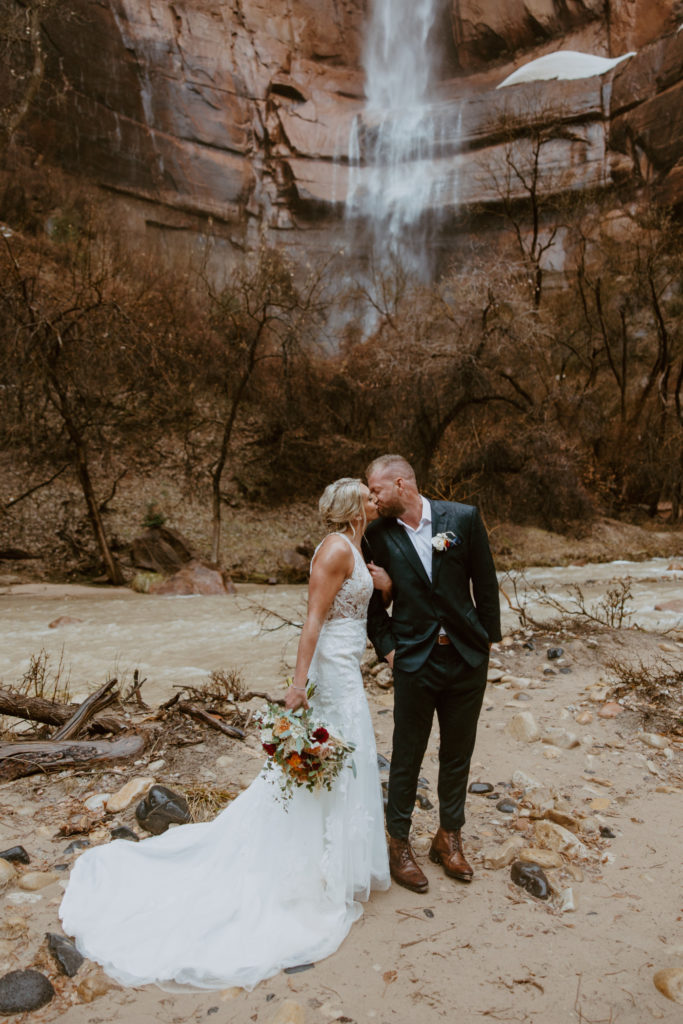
{"x": 305, "y": 751}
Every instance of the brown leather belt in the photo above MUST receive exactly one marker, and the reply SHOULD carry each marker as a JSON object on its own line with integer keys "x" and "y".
{"x": 442, "y": 639}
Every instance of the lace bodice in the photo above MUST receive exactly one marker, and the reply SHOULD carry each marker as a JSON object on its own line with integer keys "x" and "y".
{"x": 352, "y": 599}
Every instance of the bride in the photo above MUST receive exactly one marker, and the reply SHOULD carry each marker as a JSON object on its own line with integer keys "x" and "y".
{"x": 266, "y": 885}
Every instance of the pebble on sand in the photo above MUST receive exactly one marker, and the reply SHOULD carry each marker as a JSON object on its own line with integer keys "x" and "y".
{"x": 15, "y": 855}
{"x": 24, "y": 991}
{"x": 520, "y": 780}
{"x": 64, "y": 953}
{"x": 653, "y": 739}
{"x": 501, "y": 856}
{"x": 289, "y": 1012}
{"x": 555, "y": 837}
{"x": 34, "y": 880}
{"x": 610, "y": 710}
{"x": 94, "y": 985}
{"x": 544, "y": 858}
{"x": 123, "y": 797}
{"x": 561, "y": 738}
{"x": 523, "y": 727}
{"x": 669, "y": 982}
{"x": 532, "y": 878}
{"x": 7, "y": 873}
{"x": 161, "y": 808}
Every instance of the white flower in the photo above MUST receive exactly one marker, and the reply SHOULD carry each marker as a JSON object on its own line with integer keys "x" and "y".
{"x": 444, "y": 541}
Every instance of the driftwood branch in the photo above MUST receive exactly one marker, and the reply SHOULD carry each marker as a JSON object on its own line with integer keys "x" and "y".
{"x": 98, "y": 700}
{"x": 49, "y": 712}
{"x": 20, "y": 759}
{"x": 187, "y": 708}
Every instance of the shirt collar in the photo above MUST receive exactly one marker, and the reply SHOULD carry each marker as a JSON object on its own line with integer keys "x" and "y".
{"x": 425, "y": 518}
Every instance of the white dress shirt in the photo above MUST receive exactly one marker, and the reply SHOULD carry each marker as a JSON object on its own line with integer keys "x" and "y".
{"x": 421, "y": 537}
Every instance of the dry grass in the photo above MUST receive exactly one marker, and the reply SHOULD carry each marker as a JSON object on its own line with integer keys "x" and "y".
{"x": 205, "y": 801}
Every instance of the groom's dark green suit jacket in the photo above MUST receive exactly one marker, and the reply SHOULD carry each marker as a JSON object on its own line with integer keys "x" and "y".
{"x": 462, "y": 596}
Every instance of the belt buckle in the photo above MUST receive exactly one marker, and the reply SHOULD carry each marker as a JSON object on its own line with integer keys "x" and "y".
{"x": 442, "y": 639}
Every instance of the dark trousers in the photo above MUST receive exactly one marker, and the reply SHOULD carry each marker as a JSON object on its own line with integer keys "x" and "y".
{"x": 448, "y": 685}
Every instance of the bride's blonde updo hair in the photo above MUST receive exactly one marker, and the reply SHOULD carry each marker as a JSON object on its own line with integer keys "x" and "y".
{"x": 342, "y": 503}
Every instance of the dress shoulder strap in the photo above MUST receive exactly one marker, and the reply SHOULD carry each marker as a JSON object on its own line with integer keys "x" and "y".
{"x": 335, "y": 533}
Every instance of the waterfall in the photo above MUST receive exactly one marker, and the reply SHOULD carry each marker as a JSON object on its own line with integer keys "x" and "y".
{"x": 394, "y": 142}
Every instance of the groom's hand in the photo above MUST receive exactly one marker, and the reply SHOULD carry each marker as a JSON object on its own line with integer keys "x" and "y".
{"x": 389, "y": 658}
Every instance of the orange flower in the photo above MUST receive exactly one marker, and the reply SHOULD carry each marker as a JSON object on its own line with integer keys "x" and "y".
{"x": 294, "y": 761}
{"x": 280, "y": 727}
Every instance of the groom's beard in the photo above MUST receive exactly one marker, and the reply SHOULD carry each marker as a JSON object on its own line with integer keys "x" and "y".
{"x": 392, "y": 510}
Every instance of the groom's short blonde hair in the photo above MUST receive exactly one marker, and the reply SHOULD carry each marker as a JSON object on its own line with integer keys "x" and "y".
{"x": 342, "y": 503}
{"x": 393, "y": 464}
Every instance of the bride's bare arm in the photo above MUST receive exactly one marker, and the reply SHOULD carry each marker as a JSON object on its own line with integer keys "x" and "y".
{"x": 331, "y": 566}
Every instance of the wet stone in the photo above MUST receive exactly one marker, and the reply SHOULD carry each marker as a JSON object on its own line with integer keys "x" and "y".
{"x": 298, "y": 968}
{"x": 428, "y": 913}
{"x": 607, "y": 833}
{"x": 64, "y": 953}
{"x": 123, "y": 832}
{"x": 565, "y": 670}
{"x": 480, "y": 787}
{"x": 24, "y": 991}
{"x": 16, "y": 855}
{"x": 383, "y": 763}
{"x": 549, "y": 672}
{"x": 161, "y": 808}
{"x": 422, "y": 782}
{"x": 555, "y": 652}
{"x": 78, "y": 844}
{"x": 492, "y": 796}
{"x": 423, "y": 802}
{"x": 506, "y": 806}
{"x": 530, "y": 877}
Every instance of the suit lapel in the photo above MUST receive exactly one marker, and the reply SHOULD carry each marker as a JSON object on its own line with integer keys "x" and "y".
{"x": 400, "y": 540}
{"x": 439, "y": 525}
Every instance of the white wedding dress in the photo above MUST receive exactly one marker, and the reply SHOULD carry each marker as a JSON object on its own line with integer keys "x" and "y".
{"x": 264, "y": 886}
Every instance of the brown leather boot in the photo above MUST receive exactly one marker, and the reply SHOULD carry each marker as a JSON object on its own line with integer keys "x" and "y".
{"x": 446, "y": 849}
{"x": 403, "y": 866}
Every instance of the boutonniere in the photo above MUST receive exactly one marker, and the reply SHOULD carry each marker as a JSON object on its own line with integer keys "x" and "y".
{"x": 444, "y": 541}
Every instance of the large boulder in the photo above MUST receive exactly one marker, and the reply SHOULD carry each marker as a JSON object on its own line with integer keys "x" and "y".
{"x": 161, "y": 550}
{"x": 196, "y": 578}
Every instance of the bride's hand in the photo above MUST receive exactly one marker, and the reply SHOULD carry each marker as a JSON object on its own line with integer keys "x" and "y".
{"x": 381, "y": 580}
{"x": 295, "y": 698}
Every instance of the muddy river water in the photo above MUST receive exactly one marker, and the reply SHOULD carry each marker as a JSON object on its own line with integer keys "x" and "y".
{"x": 176, "y": 640}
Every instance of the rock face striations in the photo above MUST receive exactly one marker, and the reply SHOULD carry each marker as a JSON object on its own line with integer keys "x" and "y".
{"x": 242, "y": 111}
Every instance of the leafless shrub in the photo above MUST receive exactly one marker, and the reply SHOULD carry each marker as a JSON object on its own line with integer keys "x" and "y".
{"x": 42, "y": 680}
{"x": 654, "y": 689}
{"x": 610, "y": 611}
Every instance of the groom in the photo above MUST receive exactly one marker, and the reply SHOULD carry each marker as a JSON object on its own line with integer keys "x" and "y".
{"x": 445, "y": 615}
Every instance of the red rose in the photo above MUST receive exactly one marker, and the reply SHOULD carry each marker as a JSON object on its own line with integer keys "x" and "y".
{"x": 270, "y": 748}
{"x": 321, "y": 735}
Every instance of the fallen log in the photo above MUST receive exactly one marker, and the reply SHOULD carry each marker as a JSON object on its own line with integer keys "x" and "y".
{"x": 98, "y": 700}
{"x": 20, "y": 759}
{"x": 49, "y": 712}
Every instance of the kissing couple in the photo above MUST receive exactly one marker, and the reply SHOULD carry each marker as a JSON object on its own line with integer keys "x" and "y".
{"x": 266, "y": 886}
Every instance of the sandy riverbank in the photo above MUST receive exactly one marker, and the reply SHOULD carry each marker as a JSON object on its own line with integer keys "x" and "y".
{"x": 484, "y": 951}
